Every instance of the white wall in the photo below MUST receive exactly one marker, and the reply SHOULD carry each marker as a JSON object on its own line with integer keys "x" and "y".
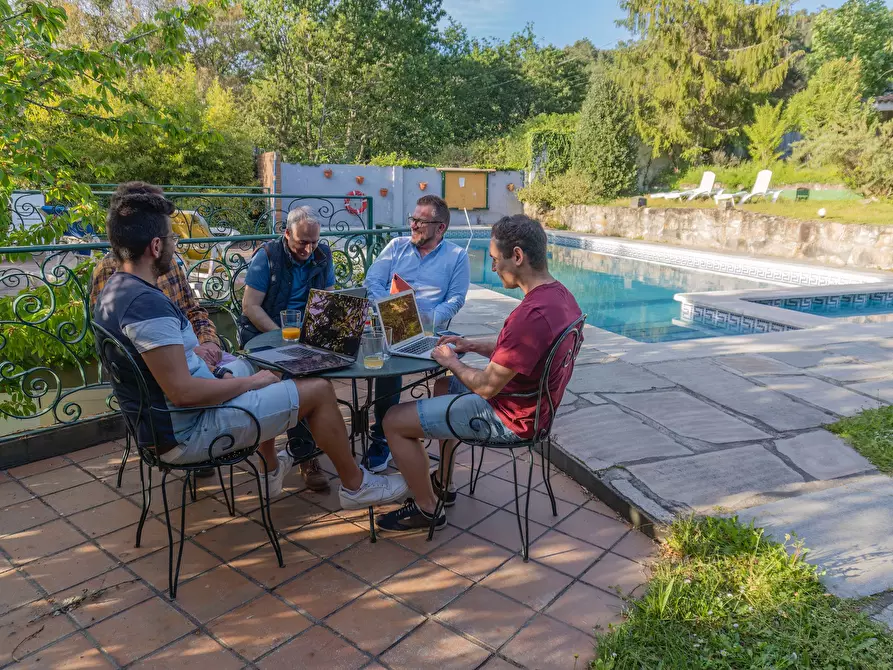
{"x": 403, "y": 189}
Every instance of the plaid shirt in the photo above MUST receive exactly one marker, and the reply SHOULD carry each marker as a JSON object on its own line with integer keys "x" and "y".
{"x": 174, "y": 285}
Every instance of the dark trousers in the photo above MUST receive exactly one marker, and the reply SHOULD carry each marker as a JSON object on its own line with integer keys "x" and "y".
{"x": 386, "y": 388}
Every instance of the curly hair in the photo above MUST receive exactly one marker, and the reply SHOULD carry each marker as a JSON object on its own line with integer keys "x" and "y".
{"x": 525, "y": 233}
{"x": 138, "y": 213}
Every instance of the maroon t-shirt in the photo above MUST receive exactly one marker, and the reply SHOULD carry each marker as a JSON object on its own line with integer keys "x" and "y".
{"x": 523, "y": 346}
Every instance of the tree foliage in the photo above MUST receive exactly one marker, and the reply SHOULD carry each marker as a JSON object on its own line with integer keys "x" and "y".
{"x": 832, "y": 98}
{"x": 699, "y": 66}
{"x": 766, "y": 133}
{"x": 861, "y": 29}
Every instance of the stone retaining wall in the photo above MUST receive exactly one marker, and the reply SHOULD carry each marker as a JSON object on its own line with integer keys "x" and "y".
{"x": 734, "y": 230}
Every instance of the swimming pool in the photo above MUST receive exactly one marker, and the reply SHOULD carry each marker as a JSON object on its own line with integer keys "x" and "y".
{"x": 625, "y": 296}
{"x": 855, "y": 308}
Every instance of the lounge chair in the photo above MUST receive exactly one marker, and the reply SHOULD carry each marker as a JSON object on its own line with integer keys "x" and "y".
{"x": 704, "y": 190}
{"x": 760, "y": 189}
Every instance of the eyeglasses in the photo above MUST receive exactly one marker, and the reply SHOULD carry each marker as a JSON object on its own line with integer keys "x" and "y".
{"x": 421, "y": 222}
{"x": 173, "y": 236}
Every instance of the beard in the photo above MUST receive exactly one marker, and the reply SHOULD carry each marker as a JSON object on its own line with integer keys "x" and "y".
{"x": 421, "y": 241}
{"x": 162, "y": 264}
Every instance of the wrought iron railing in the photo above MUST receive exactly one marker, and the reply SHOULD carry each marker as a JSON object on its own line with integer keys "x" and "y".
{"x": 48, "y": 370}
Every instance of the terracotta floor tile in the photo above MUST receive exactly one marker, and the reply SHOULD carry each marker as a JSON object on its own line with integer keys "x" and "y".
{"x": 107, "y": 464}
{"x": 326, "y": 499}
{"x": 502, "y": 528}
{"x": 140, "y": 630}
{"x": 486, "y": 615}
{"x": 426, "y": 586}
{"x": 69, "y": 567}
{"x": 505, "y": 472}
{"x": 25, "y": 515}
{"x": 375, "y": 562}
{"x": 194, "y": 652}
{"x": 322, "y": 590}
{"x": 493, "y": 458}
{"x": 245, "y": 496}
{"x": 72, "y": 653}
{"x": 616, "y": 574}
{"x": 328, "y": 535}
{"x": 98, "y": 450}
{"x": 565, "y": 488}
{"x": 541, "y": 509}
{"x": 470, "y": 556}
{"x": 130, "y": 482}
{"x": 4, "y": 477}
{"x": 374, "y": 621}
{"x": 492, "y": 490}
{"x": 292, "y": 512}
{"x": 262, "y": 566}
{"x": 233, "y": 538}
{"x": 122, "y": 542}
{"x": 107, "y": 518}
{"x": 104, "y": 596}
{"x": 201, "y": 515}
{"x": 462, "y": 476}
{"x": 80, "y": 498}
{"x": 45, "y": 483}
{"x": 433, "y": 646}
{"x": 564, "y": 553}
{"x": 154, "y": 567}
{"x": 593, "y": 528}
{"x": 533, "y": 584}
{"x": 29, "y": 628}
{"x": 496, "y": 663}
{"x": 417, "y": 541}
{"x": 587, "y": 608}
{"x": 15, "y": 591}
{"x": 37, "y": 467}
{"x": 601, "y": 508}
{"x": 216, "y": 592}
{"x": 34, "y": 543}
{"x": 12, "y": 493}
{"x": 546, "y": 643}
{"x": 638, "y": 547}
{"x": 315, "y": 649}
{"x": 258, "y": 627}
{"x": 468, "y": 511}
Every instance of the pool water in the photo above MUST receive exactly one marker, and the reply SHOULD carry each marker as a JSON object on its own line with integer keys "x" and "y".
{"x": 625, "y": 296}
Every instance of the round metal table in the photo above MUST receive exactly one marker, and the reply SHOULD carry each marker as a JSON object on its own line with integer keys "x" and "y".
{"x": 359, "y": 412}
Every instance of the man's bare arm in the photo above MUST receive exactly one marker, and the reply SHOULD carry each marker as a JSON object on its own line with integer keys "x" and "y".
{"x": 486, "y": 383}
{"x": 251, "y": 307}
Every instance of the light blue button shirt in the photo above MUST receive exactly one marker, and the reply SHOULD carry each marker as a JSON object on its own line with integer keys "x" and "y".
{"x": 440, "y": 279}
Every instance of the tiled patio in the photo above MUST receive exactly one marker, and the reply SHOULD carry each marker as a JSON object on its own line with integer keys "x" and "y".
{"x": 75, "y": 593}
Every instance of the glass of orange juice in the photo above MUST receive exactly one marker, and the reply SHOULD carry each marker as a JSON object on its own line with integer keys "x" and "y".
{"x": 291, "y": 324}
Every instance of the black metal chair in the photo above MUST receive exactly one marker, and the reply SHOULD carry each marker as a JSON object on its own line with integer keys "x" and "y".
{"x": 123, "y": 370}
{"x": 568, "y": 343}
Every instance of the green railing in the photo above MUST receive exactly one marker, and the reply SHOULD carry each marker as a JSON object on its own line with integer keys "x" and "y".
{"x": 48, "y": 370}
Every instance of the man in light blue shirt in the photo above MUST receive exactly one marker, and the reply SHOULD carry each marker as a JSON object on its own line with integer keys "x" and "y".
{"x": 438, "y": 271}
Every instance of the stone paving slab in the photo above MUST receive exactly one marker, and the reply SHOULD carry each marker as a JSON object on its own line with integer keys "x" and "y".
{"x": 711, "y": 381}
{"x": 756, "y": 365}
{"x": 847, "y": 529}
{"x": 614, "y": 377}
{"x": 823, "y": 455}
{"x": 690, "y": 417}
{"x": 852, "y": 372}
{"x": 820, "y": 393}
{"x": 811, "y": 358}
{"x": 720, "y": 479}
{"x": 603, "y": 436}
{"x": 881, "y": 391}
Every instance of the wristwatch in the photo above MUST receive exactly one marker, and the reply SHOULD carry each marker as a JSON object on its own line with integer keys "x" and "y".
{"x": 219, "y": 372}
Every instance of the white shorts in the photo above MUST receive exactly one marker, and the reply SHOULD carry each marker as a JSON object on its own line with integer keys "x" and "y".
{"x": 224, "y": 430}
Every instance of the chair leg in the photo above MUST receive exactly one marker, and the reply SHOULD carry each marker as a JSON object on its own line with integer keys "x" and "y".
{"x": 266, "y": 514}
{"x": 230, "y": 506}
{"x": 475, "y": 474}
{"x": 518, "y": 507}
{"x": 170, "y": 536}
{"x": 441, "y": 500}
{"x": 546, "y": 452}
{"x": 124, "y": 459}
{"x": 176, "y": 575}
{"x": 232, "y": 489}
{"x": 147, "y": 502}
{"x": 193, "y": 487}
{"x": 526, "y": 537}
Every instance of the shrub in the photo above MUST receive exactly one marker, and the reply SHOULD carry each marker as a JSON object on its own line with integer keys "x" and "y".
{"x": 744, "y": 174}
{"x": 766, "y": 133}
{"x": 570, "y": 188}
{"x": 833, "y": 97}
{"x": 393, "y": 160}
{"x": 604, "y": 145}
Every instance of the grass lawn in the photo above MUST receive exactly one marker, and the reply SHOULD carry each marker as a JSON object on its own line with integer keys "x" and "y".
{"x": 871, "y": 434}
{"x": 725, "y": 598}
{"x": 839, "y": 211}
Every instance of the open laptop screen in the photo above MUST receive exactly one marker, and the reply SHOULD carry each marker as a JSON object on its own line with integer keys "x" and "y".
{"x": 334, "y": 321}
{"x": 399, "y": 313}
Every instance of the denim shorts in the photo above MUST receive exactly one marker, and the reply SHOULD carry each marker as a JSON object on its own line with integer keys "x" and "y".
{"x": 471, "y": 417}
{"x": 276, "y": 409}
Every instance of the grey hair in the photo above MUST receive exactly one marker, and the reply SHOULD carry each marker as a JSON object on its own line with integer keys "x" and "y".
{"x": 300, "y": 215}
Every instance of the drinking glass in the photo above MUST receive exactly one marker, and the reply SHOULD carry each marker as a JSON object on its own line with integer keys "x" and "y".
{"x": 372, "y": 348}
{"x": 428, "y": 324}
{"x": 291, "y": 324}
{"x": 388, "y": 341}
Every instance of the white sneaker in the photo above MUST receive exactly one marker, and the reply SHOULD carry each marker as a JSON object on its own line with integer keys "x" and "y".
{"x": 375, "y": 490}
{"x": 276, "y": 478}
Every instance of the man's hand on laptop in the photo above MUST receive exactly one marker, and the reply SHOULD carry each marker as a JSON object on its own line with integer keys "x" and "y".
{"x": 444, "y": 354}
{"x": 460, "y": 344}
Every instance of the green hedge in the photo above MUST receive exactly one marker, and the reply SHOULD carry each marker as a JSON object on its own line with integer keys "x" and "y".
{"x": 742, "y": 176}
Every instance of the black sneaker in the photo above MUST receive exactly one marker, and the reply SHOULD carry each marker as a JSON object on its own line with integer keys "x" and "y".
{"x": 450, "y": 498}
{"x": 409, "y": 517}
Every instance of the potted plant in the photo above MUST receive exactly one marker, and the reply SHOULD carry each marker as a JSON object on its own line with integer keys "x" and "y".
{"x": 327, "y": 173}
{"x": 423, "y": 185}
{"x": 383, "y": 192}
{"x": 360, "y": 179}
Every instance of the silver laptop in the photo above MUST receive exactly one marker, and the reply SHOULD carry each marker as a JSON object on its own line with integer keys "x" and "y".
{"x": 330, "y": 336}
{"x": 400, "y": 313}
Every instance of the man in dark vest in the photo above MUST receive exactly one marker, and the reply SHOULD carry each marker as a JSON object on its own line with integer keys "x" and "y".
{"x": 280, "y": 277}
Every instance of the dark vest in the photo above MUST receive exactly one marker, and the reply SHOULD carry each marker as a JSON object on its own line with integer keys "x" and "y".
{"x": 279, "y": 291}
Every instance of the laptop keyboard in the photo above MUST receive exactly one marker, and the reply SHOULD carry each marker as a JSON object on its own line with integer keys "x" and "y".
{"x": 299, "y": 352}
{"x": 419, "y": 346}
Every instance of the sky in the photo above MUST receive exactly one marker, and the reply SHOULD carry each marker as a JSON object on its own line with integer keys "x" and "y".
{"x": 558, "y": 22}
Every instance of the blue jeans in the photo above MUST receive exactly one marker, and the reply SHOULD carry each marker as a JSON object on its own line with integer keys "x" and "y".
{"x": 386, "y": 388}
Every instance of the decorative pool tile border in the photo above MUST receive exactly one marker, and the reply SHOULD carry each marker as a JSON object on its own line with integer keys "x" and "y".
{"x": 831, "y": 303}
{"x": 729, "y": 321}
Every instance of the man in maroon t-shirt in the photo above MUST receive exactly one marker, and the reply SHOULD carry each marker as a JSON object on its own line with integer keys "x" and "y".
{"x": 517, "y": 361}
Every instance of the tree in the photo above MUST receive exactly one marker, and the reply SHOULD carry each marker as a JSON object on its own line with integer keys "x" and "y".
{"x": 832, "y": 98}
{"x": 79, "y": 84}
{"x": 605, "y": 146}
{"x": 699, "y": 67}
{"x": 860, "y": 29}
{"x": 766, "y": 133}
